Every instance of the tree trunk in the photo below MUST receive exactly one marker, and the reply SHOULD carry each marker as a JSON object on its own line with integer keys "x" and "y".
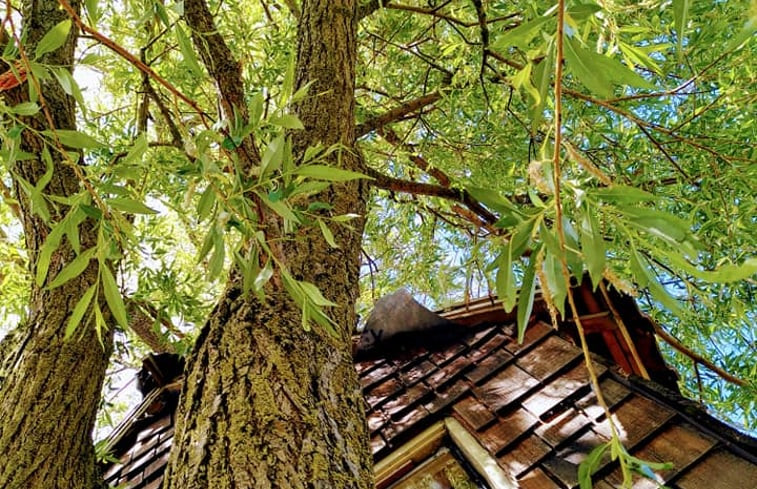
{"x": 265, "y": 403}
{"x": 51, "y": 395}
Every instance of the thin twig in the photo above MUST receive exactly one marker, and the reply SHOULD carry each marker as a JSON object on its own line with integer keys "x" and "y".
{"x": 673, "y": 342}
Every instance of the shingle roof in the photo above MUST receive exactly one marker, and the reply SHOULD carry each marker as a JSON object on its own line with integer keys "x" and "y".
{"x": 530, "y": 405}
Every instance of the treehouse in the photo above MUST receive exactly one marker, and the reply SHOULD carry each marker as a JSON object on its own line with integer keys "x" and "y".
{"x": 459, "y": 402}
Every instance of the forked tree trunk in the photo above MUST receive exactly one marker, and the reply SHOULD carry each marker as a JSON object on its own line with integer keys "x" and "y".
{"x": 50, "y": 398}
{"x": 265, "y": 403}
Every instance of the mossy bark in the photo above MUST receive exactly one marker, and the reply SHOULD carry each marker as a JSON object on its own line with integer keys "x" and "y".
{"x": 266, "y": 403}
{"x": 51, "y": 394}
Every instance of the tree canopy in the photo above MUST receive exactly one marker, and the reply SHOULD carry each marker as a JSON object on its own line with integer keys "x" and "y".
{"x": 507, "y": 144}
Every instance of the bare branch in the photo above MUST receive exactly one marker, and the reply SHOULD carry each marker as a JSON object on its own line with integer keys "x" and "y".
{"x": 392, "y": 138}
{"x": 396, "y": 113}
{"x": 672, "y": 341}
{"x": 462, "y": 196}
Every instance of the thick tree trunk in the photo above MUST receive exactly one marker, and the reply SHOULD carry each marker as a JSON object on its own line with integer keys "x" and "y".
{"x": 51, "y": 395}
{"x": 265, "y": 403}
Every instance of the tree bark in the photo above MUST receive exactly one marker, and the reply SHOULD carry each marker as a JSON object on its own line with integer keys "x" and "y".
{"x": 51, "y": 395}
{"x": 266, "y": 403}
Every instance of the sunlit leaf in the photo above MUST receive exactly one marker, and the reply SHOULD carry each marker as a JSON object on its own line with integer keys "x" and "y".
{"x": 78, "y": 313}
{"x": 526, "y": 296}
{"x": 329, "y": 173}
{"x": 73, "y": 269}
{"x": 113, "y": 296}
{"x": 53, "y": 39}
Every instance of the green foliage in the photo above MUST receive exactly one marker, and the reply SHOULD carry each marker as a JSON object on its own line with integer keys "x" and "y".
{"x": 657, "y": 178}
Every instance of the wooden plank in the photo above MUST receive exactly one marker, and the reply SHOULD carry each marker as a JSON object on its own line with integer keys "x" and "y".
{"x": 534, "y": 333}
{"x": 506, "y": 430}
{"x": 473, "y": 413}
{"x": 524, "y": 455}
{"x": 722, "y": 470}
{"x": 477, "y": 456}
{"x": 505, "y": 388}
{"x": 679, "y": 444}
{"x": 537, "y": 479}
{"x": 562, "y": 427}
{"x": 557, "y": 391}
{"x": 564, "y": 463}
{"x": 548, "y": 358}
{"x": 636, "y": 419}
{"x": 613, "y": 393}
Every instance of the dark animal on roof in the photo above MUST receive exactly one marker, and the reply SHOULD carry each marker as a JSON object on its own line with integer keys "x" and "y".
{"x": 400, "y": 314}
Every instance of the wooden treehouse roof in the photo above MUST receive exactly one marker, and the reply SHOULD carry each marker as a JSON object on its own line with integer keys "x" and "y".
{"x": 530, "y": 406}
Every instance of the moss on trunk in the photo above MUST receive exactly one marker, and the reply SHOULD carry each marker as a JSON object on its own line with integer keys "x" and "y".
{"x": 51, "y": 394}
{"x": 265, "y": 403}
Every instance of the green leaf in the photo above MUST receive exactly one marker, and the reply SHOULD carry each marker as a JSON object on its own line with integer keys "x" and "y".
{"x": 493, "y": 199}
{"x": 506, "y": 287}
{"x": 590, "y": 465}
{"x": 582, "y": 11}
{"x": 162, "y": 14}
{"x": 542, "y": 81}
{"x": 327, "y": 234}
{"x": 313, "y": 293}
{"x": 280, "y": 207}
{"x": 205, "y": 204}
{"x": 724, "y": 274}
{"x": 71, "y": 229}
{"x": 522, "y": 80}
{"x": 637, "y": 56}
{"x": 658, "y": 223}
{"x": 264, "y": 276}
{"x": 750, "y": 27}
{"x": 137, "y": 150}
{"x": 309, "y": 187}
{"x": 130, "y": 206}
{"x": 522, "y": 237}
{"x": 329, "y": 173}
{"x": 522, "y": 35}
{"x": 79, "y": 310}
{"x": 555, "y": 281}
{"x": 73, "y": 269}
{"x": 188, "y": 52}
{"x": 53, "y": 39}
{"x": 113, "y": 296}
{"x": 25, "y": 108}
{"x": 287, "y": 121}
{"x": 646, "y": 278}
{"x": 273, "y": 156}
{"x": 93, "y": 11}
{"x": 526, "y": 296}
{"x": 287, "y": 84}
{"x": 681, "y": 18}
{"x": 215, "y": 265}
{"x": 580, "y": 64}
{"x": 46, "y": 251}
{"x": 597, "y": 71}
{"x": 593, "y": 246}
{"x": 74, "y": 139}
{"x": 69, "y": 85}
{"x": 623, "y": 194}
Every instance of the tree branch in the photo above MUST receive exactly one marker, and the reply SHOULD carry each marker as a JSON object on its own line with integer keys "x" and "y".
{"x": 293, "y": 7}
{"x": 380, "y": 180}
{"x": 371, "y": 6}
{"x": 392, "y": 138}
{"x": 396, "y": 113}
{"x": 672, "y": 341}
{"x": 224, "y": 69}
